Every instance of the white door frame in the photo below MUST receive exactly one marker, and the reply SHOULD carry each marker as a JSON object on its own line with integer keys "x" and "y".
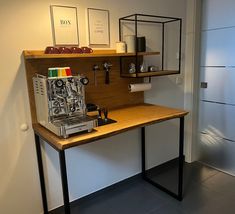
{"x": 191, "y": 77}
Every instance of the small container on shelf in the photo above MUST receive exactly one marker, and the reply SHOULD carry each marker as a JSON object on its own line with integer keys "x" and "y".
{"x": 141, "y": 44}
{"x": 120, "y": 47}
{"x": 153, "y": 68}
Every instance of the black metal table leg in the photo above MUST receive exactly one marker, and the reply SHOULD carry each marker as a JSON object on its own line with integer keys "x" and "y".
{"x": 64, "y": 180}
{"x": 41, "y": 173}
{"x": 143, "y": 151}
{"x": 181, "y": 159}
{"x": 179, "y": 195}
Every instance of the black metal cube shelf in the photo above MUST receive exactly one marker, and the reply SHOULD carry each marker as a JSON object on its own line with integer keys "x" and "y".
{"x": 138, "y": 20}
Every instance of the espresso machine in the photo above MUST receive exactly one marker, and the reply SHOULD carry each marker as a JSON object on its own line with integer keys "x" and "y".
{"x": 60, "y": 103}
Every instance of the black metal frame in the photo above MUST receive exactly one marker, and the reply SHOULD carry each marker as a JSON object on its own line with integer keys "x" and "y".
{"x": 64, "y": 178}
{"x": 63, "y": 172}
{"x": 136, "y": 18}
{"x": 41, "y": 173}
{"x": 179, "y": 195}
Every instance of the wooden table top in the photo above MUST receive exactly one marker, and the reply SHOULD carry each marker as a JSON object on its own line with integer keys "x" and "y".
{"x": 127, "y": 118}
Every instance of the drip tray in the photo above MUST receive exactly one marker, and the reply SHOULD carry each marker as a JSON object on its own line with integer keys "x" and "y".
{"x": 102, "y": 122}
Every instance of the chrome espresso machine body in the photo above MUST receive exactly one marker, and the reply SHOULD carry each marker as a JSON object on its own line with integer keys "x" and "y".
{"x": 60, "y": 104}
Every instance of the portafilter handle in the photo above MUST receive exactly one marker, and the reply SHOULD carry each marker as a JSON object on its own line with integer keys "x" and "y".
{"x": 107, "y": 66}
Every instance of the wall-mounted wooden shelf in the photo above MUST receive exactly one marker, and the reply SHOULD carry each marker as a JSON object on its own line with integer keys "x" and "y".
{"x": 146, "y": 53}
{"x": 38, "y": 54}
{"x": 151, "y": 74}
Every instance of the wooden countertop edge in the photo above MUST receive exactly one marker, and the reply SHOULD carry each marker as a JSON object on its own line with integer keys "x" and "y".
{"x": 73, "y": 144}
{"x": 38, "y": 129}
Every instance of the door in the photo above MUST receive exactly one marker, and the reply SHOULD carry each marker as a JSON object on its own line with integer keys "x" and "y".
{"x": 217, "y": 81}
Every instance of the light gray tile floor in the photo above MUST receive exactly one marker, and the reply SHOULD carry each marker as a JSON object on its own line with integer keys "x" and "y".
{"x": 206, "y": 191}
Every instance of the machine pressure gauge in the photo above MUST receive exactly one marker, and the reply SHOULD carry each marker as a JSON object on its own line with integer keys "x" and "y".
{"x": 84, "y": 80}
{"x": 59, "y": 83}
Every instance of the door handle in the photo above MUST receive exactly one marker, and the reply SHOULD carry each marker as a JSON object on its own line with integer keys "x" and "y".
{"x": 204, "y": 84}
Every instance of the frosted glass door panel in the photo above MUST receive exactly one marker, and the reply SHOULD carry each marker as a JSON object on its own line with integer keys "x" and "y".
{"x": 217, "y": 152}
{"x": 218, "y": 47}
{"x": 218, "y": 13}
{"x": 220, "y": 84}
{"x": 218, "y": 120}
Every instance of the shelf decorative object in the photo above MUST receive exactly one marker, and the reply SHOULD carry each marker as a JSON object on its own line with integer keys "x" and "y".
{"x": 64, "y": 25}
{"x": 162, "y": 32}
{"x": 98, "y": 26}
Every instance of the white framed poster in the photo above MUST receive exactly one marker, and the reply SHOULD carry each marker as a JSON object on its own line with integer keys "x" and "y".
{"x": 65, "y": 25}
{"x": 98, "y": 26}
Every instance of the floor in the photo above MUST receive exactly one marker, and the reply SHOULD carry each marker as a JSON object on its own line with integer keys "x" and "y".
{"x": 206, "y": 191}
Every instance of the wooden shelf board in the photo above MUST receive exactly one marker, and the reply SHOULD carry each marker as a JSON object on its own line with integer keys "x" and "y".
{"x": 148, "y": 53}
{"x": 150, "y": 74}
{"x": 39, "y": 54}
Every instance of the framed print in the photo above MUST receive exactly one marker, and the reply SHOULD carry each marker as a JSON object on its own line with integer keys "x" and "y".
{"x": 98, "y": 26}
{"x": 65, "y": 25}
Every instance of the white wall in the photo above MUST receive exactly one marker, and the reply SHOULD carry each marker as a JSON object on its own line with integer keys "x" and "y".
{"x": 27, "y": 25}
